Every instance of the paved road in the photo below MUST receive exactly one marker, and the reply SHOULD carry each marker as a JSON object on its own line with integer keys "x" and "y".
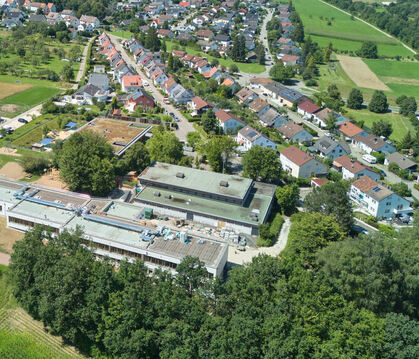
{"x": 82, "y": 65}
{"x": 4, "y": 259}
{"x": 184, "y": 125}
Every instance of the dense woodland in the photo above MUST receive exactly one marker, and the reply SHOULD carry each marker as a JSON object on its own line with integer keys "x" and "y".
{"x": 325, "y": 297}
{"x": 98, "y": 8}
{"x": 400, "y": 19}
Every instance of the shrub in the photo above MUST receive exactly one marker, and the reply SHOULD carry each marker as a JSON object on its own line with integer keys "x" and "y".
{"x": 35, "y": 165}
{"x": 268, "y": 232}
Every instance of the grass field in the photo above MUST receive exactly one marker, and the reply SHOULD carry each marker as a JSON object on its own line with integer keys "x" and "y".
{"x": 20, "y": 335}
{"x": 27, "y": 99}
{"x": 122, "y": 33}
{"x": 344, "y": 33}
{"x": 406, "y": 70}
{"x": 400, "y": 124}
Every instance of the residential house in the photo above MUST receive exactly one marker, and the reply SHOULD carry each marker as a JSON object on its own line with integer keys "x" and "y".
{"x": 169, "y": 85}
{"x": 272, "y": 119}
{"x": 99, "y": 80}
{"x": 85, "y": 94}
{"x": 89, "y": 23}
{"x": 259, "y": 106}
{"x": 290, "y": 60}
{"x": 180, "y": 95}
{"x": 165, "y": 33}
{"x": 246, "y": 96}
{"x": 137, "y": 98}
{"x": 327, "y": 147}
{"x": 214, "y": 73}
{"x": 203, "y": 66}
{"x": 295, "y": 133}
{"x": 198, "y": 105}
{"x": 223, "y": 40}
{"x": 247, "y": 137}
{"x": 178, "y": 53}
{"x": 373, "y": 143}
{"x": 131, "y": 83}
{"x": 351, "y": 168}
{"x": 288, "y": 97}
{"x": 158, "y": 77}
{"x": 206, "y": 35}
{"x": 320, "y": 117}
{"x": 228, "y": 122}
{"x": 377, "y": 200}
{"x": 350, "y": 130}
{"x": 301, "y": 164}
{"x": 37, "y": 18}
{"x": 308, "y": 109}
{"x": 402, "y": 162}
{"x": 229, "y": 82}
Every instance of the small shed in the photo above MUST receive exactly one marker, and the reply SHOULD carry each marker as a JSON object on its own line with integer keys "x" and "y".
{"x": 46, "y": 142}
{"x": 71, "y": 125}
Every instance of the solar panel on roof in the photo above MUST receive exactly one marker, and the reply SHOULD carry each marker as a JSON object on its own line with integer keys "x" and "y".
{"x": 376, "y": 189}
{"x": 252, "y": 134}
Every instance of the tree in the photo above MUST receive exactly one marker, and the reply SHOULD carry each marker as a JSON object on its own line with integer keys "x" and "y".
{"x": 34, "y": 164}
{"x": 408, "y": 106}
{"x": 21, "y": 52}
{"x": 382, "y": 128}
{"x": 297, "y": 34}
{"x": 331, "y": 122}
{"x": 67, "y": 74}
{"x": 193, "y": 138}
{"x": 401, "y": 189}
{"x": 233, "y": 68}
{"x": 164, "y": 146}
{"x": 333, "y": 92}
{"x": 407, "y": 141}
{"x": 378, "y": 103}
{"x": 331, "y": 199}
{"x": 260, "y": 53}
{"x": 209, "y": 122}
{"x": 152, "y": 41}
{"x": 84, "y": 157}
{"x": 238, "y": 50}
{"x": 280, "y": 72}
{"x": 136, "y": 158}
{"x": 218, "y": 150}
{"x": 287, "y": 198}
{"x": 326, "y": 55}
{"x": 355, "y": 99}
{"x": 260, "y": 163}
{"x": 368, "y": 50}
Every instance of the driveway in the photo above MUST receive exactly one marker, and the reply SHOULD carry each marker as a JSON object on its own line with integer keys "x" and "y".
{"x": 183, "y": 126}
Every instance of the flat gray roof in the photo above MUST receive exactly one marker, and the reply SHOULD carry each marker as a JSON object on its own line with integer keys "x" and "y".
{"x": 258, "y": 202}
{"x": 199, "y": 180}
{"x": 42, "y": 212}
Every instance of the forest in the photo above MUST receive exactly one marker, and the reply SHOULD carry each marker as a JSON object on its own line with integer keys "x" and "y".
{"x": 400, "y": 19}
{"x": 325, "y": 296}
{"x": 98, "y": 8}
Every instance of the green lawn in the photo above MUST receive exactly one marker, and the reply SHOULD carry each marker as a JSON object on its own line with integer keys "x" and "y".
{"x": 244, "y": 67}
{"x": 401, "y": 125}
{"x": 6, "y": 158}
{"x": 387, "y": 68}
{"x": 402, "y": 89}
{"x": 344, "y": 33}
{"x": 122, "y": 33}
{"x": 28, "y": 99}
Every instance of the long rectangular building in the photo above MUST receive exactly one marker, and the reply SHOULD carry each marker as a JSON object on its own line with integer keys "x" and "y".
{"x": 110, "y": 228}
{"x": 210, "y": 198}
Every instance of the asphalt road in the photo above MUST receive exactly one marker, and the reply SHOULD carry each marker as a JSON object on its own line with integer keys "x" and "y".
{"x": 183, "y": 126}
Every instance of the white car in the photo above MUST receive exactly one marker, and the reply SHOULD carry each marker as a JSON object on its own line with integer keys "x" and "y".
{"x": 145, "y": 83}
{"x": 369, "y": 159}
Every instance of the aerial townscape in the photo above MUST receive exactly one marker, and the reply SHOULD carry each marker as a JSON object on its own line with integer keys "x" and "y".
{"x": 209, "y": 179}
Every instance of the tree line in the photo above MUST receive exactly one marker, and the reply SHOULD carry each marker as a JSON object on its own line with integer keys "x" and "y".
{"x": 326, "y": 295}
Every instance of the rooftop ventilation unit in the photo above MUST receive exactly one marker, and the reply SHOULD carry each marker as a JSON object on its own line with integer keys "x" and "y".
{"x": 180, "y": 175}
{"x": 157, "y": 194}
{"x": 223, "y": 183}
{"x": 168, "y": 196}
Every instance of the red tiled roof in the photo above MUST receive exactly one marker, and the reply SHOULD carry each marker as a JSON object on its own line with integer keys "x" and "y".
{"x": 309, "y": 107}
{"x": 350, "y": 164}
{"x": 365, "y": 183}
{"x": 295, "y": 155}
{"x": 349, "y": 129}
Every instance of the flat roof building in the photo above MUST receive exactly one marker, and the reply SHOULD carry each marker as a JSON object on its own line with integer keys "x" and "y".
{"x": 110, "y": 228}
{"x": 210, "y": 198}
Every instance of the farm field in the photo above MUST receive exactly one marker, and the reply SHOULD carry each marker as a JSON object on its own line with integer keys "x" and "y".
{"x": 23, "y": 337}
{"x": 401, "y": 125}
{"x": 344, "y": 33}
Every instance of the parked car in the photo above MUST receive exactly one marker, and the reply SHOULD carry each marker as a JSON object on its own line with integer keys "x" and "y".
{"x": 369, "y": 158}
{"x": 171, "y": 114}
{"x": 145, "y": 83}
{"x": 22, "y": 120}
{"x": 166, "y": 100}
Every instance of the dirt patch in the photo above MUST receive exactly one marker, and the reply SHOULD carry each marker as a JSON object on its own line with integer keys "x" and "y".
{"x": 400, "y": 80}
{"x": 12, "y": 170}
{"x": 360, "y": 73}
{"x": 10, "y": 108}
{"x": 52, "y": 179}
{"x": 9, "y": 151}
{"x": 8, "y": 89}
{"x": 8, "y": 236}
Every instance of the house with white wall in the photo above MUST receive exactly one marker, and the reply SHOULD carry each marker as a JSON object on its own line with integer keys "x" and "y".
{"x": 247, "y": 137}
{"x": 228, "y": 122}
{"x": 301, "y": 164}
{"x": 327, "y": 147}
{"x": 295, "y": 133}
{"x": 353, "y": 169}
{"x": 377, "y": 200}
{"x": 373, "y": 143}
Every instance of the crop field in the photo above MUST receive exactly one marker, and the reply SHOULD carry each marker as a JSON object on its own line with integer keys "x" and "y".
{"x": 359, "y": 72}
{"x": 7, "y": 89}
{"x": 405, "y": 70}
{"x": 23, "y": 337}
{"x": 327, "y": 24}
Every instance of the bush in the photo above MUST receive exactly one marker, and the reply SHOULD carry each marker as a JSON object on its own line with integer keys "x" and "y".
{"x": 268, "y": 232}
{"x": 35, "y": 165}
{"x": 311, "y": 82}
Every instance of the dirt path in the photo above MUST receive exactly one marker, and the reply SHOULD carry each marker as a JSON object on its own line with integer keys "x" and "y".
{"x": 82, "y": 65}
{"x": 4, "y": 259}
{"x": 12, "y": 170}
{"x": 374, "y": 27}
{"x": 360, "y": 73}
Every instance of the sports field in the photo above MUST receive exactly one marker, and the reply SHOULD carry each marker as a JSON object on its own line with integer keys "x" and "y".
{"x": 326, "y": 24}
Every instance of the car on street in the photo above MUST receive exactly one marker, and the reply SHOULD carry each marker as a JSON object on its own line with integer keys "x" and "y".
{"x": 22, "y": 120}
{"x": 166, "y": 100}
{"x": 145, "y": 83}
{"x": 172, "y": 114}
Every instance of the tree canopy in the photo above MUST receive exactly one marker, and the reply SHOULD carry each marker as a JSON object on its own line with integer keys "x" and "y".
{"x": 378, "y": 103}
{"x": 260, "y": 163}
{"x": 355, "y": 99}
{"x": 164, "y": 146}
{"x": 218, "y": 150}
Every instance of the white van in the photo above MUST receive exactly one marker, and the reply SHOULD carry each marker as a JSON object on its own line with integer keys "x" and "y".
{"x": 369, "y": 159}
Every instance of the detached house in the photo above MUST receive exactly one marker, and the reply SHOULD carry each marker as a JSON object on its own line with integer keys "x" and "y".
{"x": 378, "y": 200}
{"x": 247, "y": 137}
{"x": 259, "y": 106}
{"x": 246, "y": 96}
{"x": 402, "y": 162}
{"x": 350, "y": 130}
{"x": 301, "y": 164}
{"x": 295, "y": 133}
{"x": 308, "y": 108}
{"x": 272, "y": 119}
{"x": 131, "y": 83}
{"x": 228, "y": 122}
{"x": 326, "y": 147}
{"x": 137, "y": 98}
{"x": 372, "y": 143}
{"x": 351, "y": 168}
{"x": 198, "y": 105}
